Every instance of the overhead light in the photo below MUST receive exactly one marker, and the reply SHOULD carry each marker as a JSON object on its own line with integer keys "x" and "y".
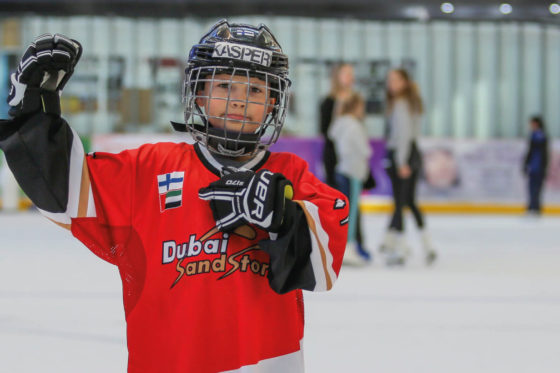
{"x": 418, "y": 12}
{"x": 447, "y": 8}
{"x": 554, "y": 8}
{"x": 506, "y": 8}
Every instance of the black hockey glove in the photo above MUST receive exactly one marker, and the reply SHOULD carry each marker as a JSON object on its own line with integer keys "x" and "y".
{"x": 44, "y": 70}
{"x": 247, "y": 197}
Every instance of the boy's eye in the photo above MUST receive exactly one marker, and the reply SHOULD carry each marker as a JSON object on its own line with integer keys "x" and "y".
{"x": 256, "y": 90}
{"x": 223, "y": 85}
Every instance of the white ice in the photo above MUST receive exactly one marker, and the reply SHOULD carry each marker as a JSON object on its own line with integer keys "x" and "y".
{"x": 491, "y": 304}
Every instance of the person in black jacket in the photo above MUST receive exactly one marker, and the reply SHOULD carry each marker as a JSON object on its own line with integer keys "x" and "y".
{"x": 342, "y": 83}
{"x": 535, "y": 163}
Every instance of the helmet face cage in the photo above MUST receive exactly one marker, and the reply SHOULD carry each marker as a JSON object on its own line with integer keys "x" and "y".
{"x": 252, "y": 134}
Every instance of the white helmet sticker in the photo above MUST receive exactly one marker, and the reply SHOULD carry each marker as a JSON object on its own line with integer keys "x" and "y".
{"x": 243, "y": 52}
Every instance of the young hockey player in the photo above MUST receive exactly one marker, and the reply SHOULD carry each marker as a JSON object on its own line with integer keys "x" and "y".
{"x": 215, "y": 241}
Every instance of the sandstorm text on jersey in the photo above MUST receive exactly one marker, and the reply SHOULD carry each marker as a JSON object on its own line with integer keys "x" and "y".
{"x": 224, "y": 262}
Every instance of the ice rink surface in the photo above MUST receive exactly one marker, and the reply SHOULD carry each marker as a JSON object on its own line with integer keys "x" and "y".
{"x": 491, "y": 303}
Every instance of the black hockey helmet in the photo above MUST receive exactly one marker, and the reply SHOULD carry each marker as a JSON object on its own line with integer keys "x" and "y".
{"x": 209, "y": 53}
{"x": 238, "y": 50}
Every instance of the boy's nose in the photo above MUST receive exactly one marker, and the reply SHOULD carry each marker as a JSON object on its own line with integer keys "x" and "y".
{"x": 237, "y": 102}
{"x": 238, "y": 95}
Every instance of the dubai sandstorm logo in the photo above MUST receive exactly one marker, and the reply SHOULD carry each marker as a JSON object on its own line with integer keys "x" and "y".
{"x": 208, "y": 244}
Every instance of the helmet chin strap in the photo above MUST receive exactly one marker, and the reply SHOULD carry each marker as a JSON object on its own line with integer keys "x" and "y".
{"x": 230, "y": 153}
{"x": 231, "y": 143}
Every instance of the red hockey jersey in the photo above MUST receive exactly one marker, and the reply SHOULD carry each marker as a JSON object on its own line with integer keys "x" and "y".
{"x": 196, "y": 299}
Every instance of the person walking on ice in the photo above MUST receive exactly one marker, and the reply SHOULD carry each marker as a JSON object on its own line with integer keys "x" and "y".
{"x": 404, "y": 161}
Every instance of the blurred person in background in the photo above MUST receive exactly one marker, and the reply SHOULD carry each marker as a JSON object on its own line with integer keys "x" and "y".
{"x": 342, "y": 87}
{"x": 403, "y": 163}
{"x": 353, "y": 151}
{"x": 535, "y": 163}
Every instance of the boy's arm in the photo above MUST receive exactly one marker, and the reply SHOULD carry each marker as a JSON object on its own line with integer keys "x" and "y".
{"x": 307, "y": 253}
{"x": 47, "y": 159}
{"x": 306, "y": 221}
{"x": 44, "y": 153}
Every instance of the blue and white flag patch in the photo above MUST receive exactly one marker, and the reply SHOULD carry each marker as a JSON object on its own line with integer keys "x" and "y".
{"x": 170, "y": 188}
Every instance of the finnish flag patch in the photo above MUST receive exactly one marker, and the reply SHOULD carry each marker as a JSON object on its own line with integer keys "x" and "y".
{"x": 170, "y": 188}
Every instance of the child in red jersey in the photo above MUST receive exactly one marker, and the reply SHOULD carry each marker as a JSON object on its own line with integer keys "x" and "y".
{"x": 214, "y": 241}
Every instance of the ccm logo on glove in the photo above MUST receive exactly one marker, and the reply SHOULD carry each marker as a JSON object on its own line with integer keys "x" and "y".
{"x": 260, "y": 194}
{"x": 247, "y": 197}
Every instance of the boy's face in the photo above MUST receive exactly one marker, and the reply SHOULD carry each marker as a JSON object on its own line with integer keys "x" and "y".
{"x": 237, "y": 103}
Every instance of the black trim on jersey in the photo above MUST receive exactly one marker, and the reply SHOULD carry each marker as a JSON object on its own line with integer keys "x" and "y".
{"x": 38, "y": 148}
{"x": 290, "y": 253}
{"x": 344, "y": 221}
{"x": 205, "y": 161}
{"x": 216, "y": 171}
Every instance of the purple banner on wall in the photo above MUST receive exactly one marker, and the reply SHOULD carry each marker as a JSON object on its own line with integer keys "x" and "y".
{"x": 453, "y": 170}
{"x": 376, "y": 163}
{"x": 311, "y": 150}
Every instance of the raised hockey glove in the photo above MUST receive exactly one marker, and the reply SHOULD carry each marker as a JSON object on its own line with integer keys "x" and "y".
{"x": 44, "y": 70}
{"x": 247, "y": 197}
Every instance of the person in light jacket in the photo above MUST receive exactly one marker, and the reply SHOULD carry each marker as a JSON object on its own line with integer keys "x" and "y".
{"x": 403, "y": 163}
{"x": 353, "y": 152}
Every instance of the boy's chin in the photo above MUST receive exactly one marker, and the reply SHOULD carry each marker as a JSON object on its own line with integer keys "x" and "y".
{"x": 232, "y": 125}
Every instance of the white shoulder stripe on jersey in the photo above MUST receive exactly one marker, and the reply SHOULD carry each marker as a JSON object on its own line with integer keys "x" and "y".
{"x": 321, "y": 257}
{"x": 60, "y": 217}
{"x": 292, "y": 363}
{"x": 75, "y": 179}
{"x": 91, "y": 205}
{"x": 75, "y": 175}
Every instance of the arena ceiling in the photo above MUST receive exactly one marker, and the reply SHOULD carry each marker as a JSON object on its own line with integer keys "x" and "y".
{"x": 489, "y": 10}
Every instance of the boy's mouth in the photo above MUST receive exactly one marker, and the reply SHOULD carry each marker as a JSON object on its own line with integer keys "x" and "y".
{"x": 237, "y": 117}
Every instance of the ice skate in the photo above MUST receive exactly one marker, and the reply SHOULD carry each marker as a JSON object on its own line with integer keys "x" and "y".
{"x": 395, "y": 258}
{"x": 388, "y": 242}
{"x": 430, "y": 254}
{"x": 364, "y": 253}
{"x": 352, "y": 257}
{"x": 397, "y": 254}
{"x": 431, "y": 257}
